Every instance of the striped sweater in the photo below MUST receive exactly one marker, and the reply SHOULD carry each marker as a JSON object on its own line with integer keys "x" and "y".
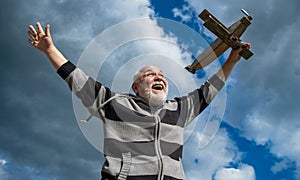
{"x": 140, "y": 141}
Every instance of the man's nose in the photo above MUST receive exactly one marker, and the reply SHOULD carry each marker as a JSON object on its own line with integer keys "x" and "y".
{"x": 157, "y": 77}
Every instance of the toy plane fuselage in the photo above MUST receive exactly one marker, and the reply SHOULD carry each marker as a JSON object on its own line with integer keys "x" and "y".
{"x": 227, "y": 37}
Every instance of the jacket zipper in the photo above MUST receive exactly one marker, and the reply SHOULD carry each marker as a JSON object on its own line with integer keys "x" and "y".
{"x": 158, "y": 148}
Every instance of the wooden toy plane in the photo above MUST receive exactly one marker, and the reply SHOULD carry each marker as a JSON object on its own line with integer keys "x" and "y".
{"x": 227, "y": 37}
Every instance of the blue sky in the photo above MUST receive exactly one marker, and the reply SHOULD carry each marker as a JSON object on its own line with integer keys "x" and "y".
{"x": 258, "y": 138}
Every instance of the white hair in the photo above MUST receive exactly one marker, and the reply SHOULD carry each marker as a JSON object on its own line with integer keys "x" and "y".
{"x": 136, "y": 75}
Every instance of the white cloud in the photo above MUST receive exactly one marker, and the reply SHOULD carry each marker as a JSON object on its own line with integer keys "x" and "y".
{"x": 2, "y": 162}
{"x": 280, "y": 166}
{"x": 283, "y": 135}
{"x": 178, "y": 13}
{"x": 124, "y": 10}
{"x": 243, "y": 172}
{"x": 74, "y": 25}
{"x": 219, "y": 9}
{"x": 4, "y": 175}
{"x": 201, "y": 164}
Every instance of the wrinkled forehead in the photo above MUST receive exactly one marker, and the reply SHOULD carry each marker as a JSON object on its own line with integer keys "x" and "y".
{"x": 150, "y": 69}
{"x": 146, "y": 69}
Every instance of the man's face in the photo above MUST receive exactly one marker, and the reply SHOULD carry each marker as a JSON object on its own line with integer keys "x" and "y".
{"x": 151, "y": 85}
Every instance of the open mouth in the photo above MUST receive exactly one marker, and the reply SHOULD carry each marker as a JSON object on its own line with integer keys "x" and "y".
{"x": 158, "y": 86}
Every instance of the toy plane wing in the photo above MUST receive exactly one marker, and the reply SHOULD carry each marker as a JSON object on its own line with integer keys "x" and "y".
{"x": 227, "y": 37}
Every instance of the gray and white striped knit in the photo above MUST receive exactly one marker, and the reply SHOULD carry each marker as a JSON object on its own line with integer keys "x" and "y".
{"x": 140, "y": 141}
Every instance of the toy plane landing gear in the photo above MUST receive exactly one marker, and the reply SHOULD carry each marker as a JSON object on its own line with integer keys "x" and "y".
{"x": 227, "y": 37}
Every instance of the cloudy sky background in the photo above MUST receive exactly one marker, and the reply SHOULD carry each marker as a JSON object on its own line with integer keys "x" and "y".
{"x": 260, "y": 130}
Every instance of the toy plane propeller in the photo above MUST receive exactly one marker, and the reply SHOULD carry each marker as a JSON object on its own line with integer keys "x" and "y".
{"x": 227, "y": 37}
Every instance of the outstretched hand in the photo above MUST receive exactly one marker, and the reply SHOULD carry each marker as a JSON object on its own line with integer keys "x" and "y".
{"x": 233, "y": 58}
{"x": 234, "y": 55}
{"x": 40, "y": 39}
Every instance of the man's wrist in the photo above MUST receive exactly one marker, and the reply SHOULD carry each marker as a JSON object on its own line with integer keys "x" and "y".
{"x": 50, "y": 50}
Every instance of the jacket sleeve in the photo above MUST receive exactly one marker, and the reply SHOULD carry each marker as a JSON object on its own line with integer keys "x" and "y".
{"x": 91, "y": 93}
{"x": 195, "y": 102}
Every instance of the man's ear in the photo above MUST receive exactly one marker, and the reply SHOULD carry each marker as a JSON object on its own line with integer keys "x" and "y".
{"x": 134, "y": 88}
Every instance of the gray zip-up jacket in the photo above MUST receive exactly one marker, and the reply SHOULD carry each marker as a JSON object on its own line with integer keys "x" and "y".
{"x": 140, "y": 142}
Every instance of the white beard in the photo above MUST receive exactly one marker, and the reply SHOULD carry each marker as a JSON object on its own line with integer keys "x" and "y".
{"x": 153, "y": 99}
{"x": 157, "y": 99}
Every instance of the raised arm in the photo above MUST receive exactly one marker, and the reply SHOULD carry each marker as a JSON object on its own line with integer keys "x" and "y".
{"x": 198, "y": 100}
{"x": 227, "y": 67}
{"x": 42, "y": 40}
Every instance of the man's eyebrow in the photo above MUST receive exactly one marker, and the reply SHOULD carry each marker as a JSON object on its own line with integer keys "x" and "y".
{"x": 150, "y": 70}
